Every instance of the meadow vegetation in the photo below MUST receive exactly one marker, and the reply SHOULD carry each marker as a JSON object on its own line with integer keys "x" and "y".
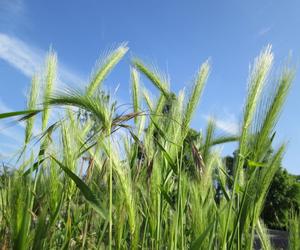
{"x": 104, "y": 177}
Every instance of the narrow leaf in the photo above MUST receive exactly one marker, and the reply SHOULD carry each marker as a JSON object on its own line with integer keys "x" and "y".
{"x": 85, "y": 190}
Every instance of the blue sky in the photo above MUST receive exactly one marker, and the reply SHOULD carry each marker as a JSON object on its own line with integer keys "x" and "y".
{"x": 177, "y": 36}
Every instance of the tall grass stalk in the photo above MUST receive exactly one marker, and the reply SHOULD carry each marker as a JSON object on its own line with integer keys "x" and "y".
{"x": 31, "y": 105}
{"x": 50, "y": 78}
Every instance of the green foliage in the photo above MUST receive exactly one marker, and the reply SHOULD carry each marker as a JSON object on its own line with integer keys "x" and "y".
{"x": 283, "y": 196}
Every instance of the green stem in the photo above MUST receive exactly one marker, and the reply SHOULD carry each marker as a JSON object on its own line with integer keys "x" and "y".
{"x": 110, "y": 191}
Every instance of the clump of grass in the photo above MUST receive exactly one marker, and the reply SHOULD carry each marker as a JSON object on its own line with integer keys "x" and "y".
{"x": 100, "y": 181}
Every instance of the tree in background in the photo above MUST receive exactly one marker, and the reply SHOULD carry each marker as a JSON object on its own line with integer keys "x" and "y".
{"x": 283, "y": 196}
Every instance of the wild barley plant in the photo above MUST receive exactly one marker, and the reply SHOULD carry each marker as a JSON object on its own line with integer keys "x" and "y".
{"x": 151, "y": 183}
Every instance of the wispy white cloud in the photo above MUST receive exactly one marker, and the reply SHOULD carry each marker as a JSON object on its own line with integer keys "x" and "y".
{"x": 228, "y": 125}
{"x": 4, "y": 108}
{"x": 10, "y": 146}
{"x": 29, "y": 60}
{"x": 19, "y": 55}
{"x": 14, "y": 130}
{"x": 11, "y": 7}
{"x": 6, "y": 130}
{"x": 4, "y": 155}
{"x": 13, "y": 15}
{"x": 264, "y": 31}
{"x": 11, "y": 133}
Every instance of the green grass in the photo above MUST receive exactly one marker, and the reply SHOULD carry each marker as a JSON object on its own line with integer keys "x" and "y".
{"x": 97, "y": 179}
